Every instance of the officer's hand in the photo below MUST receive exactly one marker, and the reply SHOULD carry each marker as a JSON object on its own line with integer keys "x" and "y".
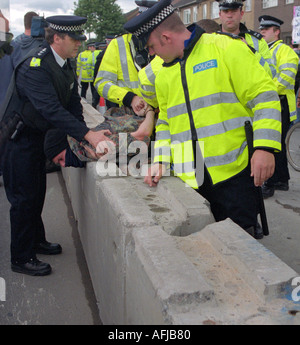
{"x": 262, "y": 166}
{"x": 94, "y": 138}
{"x": 60, "y": 159}
{"x": 155, "y": 172}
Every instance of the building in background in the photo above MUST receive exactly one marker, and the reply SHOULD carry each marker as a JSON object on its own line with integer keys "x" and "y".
{"x": 191, "y": 11}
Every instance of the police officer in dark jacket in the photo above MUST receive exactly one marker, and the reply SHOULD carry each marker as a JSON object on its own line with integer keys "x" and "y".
{"x": 48, "y": 87}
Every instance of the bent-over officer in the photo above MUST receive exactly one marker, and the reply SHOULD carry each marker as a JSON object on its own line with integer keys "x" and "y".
{"x": 201, "y": 120}
{"x": 117, "y": 77}
{"x": 48, "y": 88}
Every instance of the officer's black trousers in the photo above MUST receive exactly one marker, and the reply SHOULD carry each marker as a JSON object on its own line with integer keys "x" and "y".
{"x": 24, "y": 178}
{"x": 281, "y": 173}
{"x": 235, "y": 199}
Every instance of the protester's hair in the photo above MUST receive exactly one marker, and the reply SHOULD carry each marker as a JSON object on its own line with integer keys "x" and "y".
{"x": 209, "y": 25}
{"x": 49, "y": 35}
{"x": 28, "y": 19}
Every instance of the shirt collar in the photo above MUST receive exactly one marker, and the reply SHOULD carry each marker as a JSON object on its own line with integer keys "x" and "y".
{"x": 58, "y": 58}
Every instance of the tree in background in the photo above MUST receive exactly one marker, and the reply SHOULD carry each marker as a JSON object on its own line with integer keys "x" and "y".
{"x": 103, "y": 17}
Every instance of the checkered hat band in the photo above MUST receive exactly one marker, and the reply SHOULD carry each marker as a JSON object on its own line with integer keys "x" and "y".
{"x": 155, "y": 21}
{"x": 62, "y": 28}
{"x": 269, "y": 23}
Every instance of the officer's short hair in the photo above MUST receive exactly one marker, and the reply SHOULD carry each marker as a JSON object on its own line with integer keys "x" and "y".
{"x": 49, "y": 35}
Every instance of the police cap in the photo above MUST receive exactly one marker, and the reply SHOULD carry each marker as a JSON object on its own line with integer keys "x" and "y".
{"x": 71, "y": 25}
{"x": 142, "y": 25}
{"x": 230, "y": 4}
{"x": 145, "y": 4}
{"x": 268, "y": 21}
{"x": 91, "y": 44}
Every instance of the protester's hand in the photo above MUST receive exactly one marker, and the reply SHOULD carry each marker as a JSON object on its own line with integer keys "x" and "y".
{"x": 262, "y": 166}
{"x": 94, "y": 138}
{"x": 155, "y": 172}
{"x": 139, "y": 105}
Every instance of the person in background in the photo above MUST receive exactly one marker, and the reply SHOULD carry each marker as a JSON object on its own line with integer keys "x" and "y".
{"x": 22, "y": 45}
{"x": 286, "y": 61}
{"x": 91, "y": 61}
{"x": 83, "y": 75}
{"x": 231, "y": 14}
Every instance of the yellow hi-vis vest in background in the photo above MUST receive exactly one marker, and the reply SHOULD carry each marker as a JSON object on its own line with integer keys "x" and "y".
{"x": 82, "y": 67}
{"x": 147, "y": 77}
{"x": 117, "y": 73}
{"x": 91, "y": 61}
{"x": 286, "y": 61}
{"x": 205, "y": 98}
{"x": 256, "y": 41}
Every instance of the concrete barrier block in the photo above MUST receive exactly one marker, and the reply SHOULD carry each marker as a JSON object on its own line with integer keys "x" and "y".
{"x": 160, "y": 279}
{"x": 260, "y": 268}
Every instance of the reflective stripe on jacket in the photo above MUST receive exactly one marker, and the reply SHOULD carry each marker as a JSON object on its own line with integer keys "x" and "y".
{"x": 117, "y": 73}
{"x": 286, "y": 61}
{"x": 82, "y": 68}
{"x": 147, "y": 77}
{"x": 206, "y": 98}
{"x": 264, "y": 55}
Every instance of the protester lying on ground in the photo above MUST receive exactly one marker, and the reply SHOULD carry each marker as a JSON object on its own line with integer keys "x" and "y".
{"x": 66, "y": 151}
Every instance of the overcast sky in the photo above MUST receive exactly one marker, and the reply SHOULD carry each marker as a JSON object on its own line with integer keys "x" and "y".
{"x": 44, "y": 7}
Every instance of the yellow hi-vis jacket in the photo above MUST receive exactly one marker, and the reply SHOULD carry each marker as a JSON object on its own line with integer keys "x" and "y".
{"x": 118, "y": 73}
{"x": 205, "y": 98}
{"x": 286, "y": 61}
{"x": 256, "y": 41}
{"x": 91, "y": 61}
{"x": 82, "y": 67}
{"x": 147, "y": 77}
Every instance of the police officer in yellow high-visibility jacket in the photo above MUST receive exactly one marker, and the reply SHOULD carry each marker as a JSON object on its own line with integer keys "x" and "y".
{"x": 82, "y": 70}
{"x": 231, "y": 14}
{"x": 117, "y": 77}
{"x": 148, "y": 74}
{"x": 90, "y": 65}
{"x": 204, "y": 102}
{"x": 286, "y": 61}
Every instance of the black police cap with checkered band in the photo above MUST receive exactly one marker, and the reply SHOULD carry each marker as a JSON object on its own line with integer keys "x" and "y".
{"x": 267, "y": 21}
{"x": 230, "y": 4}
{"x": 71, "y": 25}
{"x": 142, "y": 25}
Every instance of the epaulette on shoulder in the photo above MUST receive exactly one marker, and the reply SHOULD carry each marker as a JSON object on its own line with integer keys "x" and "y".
{"x": 255, "y": 34}
{"x": 38, "y": 56}
{"x": 234, "y": 36}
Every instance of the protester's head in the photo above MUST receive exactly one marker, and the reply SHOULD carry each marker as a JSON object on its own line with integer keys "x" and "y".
{"x": 208, "y": 25}
{"x": 270, "y": 27}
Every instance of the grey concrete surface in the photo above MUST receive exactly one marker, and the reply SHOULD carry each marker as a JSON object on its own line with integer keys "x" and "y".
{"x": 66, "y": 296}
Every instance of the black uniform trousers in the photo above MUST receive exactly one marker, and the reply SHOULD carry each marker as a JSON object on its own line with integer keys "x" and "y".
{"x": 235, "y": 198}
{"x": 24, "y": 178}
{"x": 281, "y": 173}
